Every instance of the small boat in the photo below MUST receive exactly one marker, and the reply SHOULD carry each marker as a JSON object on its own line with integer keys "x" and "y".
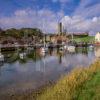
{"x": 30, "y": 48}
{"x": 65, "y": 47}
{"x": 91, "y": 46}
{"x": 22, "y": 55}
{"x": 44, "y": 50}
{"x": 71, "y": 48}
{"x": 16, "y": 44}
{"x": 1, "y": 57}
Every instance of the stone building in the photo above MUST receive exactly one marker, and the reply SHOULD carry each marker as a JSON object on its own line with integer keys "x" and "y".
{"x": 58, "y": 37}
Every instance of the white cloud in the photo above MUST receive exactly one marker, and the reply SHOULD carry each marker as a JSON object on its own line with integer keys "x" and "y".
{"x": 44, "y": 19}
{"x": 47, "y": 20}
{"x": 80, "y": 24}
{"x": 87, "y": 11}
{"x": 84, "y": 18}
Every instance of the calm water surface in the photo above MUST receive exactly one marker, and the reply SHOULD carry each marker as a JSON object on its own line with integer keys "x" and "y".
{"x": 35, "y": 69}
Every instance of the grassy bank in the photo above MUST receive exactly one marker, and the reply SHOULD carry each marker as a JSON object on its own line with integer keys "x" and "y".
{"x": 80, "y": 84}
{"x": 84, "y": 39}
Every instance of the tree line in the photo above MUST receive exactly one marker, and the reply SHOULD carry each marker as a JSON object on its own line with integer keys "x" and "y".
{"x": 19, "y": 33}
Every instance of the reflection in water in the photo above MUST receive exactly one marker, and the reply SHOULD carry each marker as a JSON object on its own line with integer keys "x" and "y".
{"x": 60, "y": 58}
{"x": 36, "y": 70}
{"x": 82, "y": 50}
{"x": 40, "y": 65}
{"x": 60, "y": 55}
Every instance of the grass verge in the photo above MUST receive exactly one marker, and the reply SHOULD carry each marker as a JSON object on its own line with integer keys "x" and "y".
{"x": 80, "y": 84}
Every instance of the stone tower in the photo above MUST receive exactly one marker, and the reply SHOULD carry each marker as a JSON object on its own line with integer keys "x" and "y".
{"x": 60, "y": 28}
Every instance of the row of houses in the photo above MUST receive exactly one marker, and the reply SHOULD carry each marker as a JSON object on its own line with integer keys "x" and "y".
{"x": 57, "y": 38}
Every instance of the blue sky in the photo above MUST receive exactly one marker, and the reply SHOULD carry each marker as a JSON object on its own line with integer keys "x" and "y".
{"x": 76, "y": 15}
{"x": 7, "y": 7}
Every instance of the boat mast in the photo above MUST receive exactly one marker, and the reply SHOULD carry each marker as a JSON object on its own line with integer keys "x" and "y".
{"x": 44, "y": 34}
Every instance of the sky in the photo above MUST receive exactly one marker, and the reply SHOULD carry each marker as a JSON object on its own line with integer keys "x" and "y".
{"x": 75, "y": 15}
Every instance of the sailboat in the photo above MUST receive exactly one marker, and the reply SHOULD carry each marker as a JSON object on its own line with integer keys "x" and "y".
{"x": 91, "y": 47}
{"x": 71, "y": 47}
{"x": 23, "y": 54}
{"x": 44, "y": 49}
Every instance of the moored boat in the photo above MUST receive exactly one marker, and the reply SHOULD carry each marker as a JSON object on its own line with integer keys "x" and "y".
{"x": 1, "y": 57}
{"x": 71, "y": 48}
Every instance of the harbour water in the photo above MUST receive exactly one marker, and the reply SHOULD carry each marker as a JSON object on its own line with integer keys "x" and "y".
{"x": 33, "y": 70}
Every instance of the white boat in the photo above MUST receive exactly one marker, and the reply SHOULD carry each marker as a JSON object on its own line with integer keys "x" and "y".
{"x": 22, "y": 55}
{"x": 1, "y": 57}
{"x": 65, "y": 47}
{"x": 44, "y": 50}
{"x": 16, "y": 44}
{"x": 71, "y": 48}
{"x": 91, "y": 47}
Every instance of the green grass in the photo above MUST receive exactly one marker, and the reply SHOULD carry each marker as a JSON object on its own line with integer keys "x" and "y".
{"x": 84, "y": 39}
{"x": 80, "y": 84}
{"x": 91, "y": 90}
